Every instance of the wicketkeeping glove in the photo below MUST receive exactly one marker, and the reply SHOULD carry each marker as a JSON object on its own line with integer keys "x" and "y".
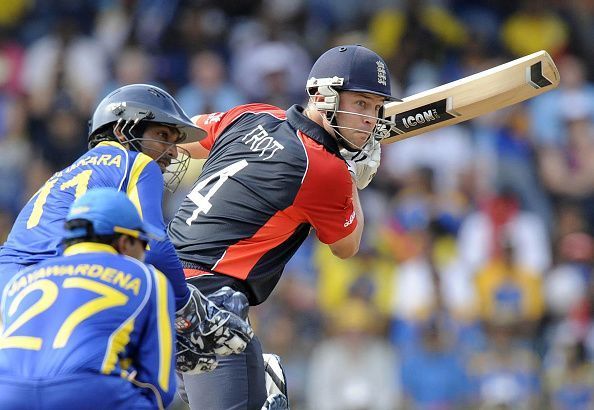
{"x": 230, "y": 300}
{"x": 363, "y": 165}
{"x": 207, "y": 329}
{"x": 189, "y": 360}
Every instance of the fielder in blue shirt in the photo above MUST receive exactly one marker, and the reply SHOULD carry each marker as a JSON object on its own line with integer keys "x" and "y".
{"x": 94, "y": 328}
{"x": 133, "y": 139}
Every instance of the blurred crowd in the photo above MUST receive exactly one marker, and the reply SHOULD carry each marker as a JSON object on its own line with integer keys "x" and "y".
{"x": 474, "y": 286}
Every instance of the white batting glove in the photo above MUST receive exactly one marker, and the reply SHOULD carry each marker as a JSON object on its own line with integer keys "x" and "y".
{"x": 363, "y": 165}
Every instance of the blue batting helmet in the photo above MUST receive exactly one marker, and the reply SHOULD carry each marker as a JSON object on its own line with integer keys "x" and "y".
{"x": 352, "y": 68}
{"x": 110, "y": 212}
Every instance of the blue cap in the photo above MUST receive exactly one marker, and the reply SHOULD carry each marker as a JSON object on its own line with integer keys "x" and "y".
{"x": 356, "y": 68}
{"x": 110, "y": 212}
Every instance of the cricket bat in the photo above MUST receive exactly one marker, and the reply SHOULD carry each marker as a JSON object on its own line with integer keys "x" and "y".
{"x": 471, "y": 96}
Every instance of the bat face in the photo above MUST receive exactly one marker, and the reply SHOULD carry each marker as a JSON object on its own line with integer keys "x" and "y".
{"x": 469, "y": 97}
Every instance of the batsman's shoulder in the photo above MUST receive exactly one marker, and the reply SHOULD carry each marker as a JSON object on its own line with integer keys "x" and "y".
{"x": 257, "y": 108}
{"x": 215, "y": 123}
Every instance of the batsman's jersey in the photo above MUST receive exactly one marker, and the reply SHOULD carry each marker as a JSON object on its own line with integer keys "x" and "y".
{"x": 270, "y": 177}
{"x": 90, "y": 311}
{"x": 39, "y": 227}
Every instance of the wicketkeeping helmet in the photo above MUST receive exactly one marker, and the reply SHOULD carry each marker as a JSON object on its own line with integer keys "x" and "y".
{"x": 130, "y": 108}
{"x": 144, "y": 102}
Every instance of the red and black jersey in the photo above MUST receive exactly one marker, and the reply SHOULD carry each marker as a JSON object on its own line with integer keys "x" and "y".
{"x": 270, "y": 177}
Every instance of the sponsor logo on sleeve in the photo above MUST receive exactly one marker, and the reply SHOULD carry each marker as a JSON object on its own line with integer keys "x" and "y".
{"x": 350, "y": 220}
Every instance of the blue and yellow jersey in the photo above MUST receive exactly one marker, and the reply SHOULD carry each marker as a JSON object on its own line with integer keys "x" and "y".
{"x": 38, "y": 229}
{"x": 90, "y": 311}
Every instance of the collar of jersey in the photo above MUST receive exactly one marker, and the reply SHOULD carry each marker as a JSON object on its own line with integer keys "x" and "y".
{"x": 88, "y": 247}
{"x": 317, "y": 133}
{"x": 111, "y": 144}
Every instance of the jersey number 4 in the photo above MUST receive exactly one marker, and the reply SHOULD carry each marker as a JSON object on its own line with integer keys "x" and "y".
{"x": 203, "y": 201}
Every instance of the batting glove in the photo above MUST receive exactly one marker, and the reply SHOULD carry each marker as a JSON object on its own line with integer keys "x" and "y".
{"x": 363, "y": 165}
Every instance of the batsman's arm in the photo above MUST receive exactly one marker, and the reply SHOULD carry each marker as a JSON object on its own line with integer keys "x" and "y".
{"x": 362, "y": 168}
{"x": 332, "y": 208}
{"x": 196, "y": 149}
{"x": 349, "y": 245}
